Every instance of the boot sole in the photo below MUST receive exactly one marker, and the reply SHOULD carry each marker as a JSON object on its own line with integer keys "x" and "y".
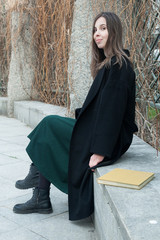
{"x": 27, "y": 187}
{"x": 42, "y": 211}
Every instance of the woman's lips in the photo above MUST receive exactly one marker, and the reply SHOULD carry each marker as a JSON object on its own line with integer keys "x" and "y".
{"x": 98, "y": 40}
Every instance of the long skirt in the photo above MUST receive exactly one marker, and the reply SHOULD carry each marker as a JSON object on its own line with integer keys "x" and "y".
{"x": 49, "y": 149}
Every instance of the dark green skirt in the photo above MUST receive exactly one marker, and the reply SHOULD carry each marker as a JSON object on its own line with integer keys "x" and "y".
{"x": 49, "y": 149}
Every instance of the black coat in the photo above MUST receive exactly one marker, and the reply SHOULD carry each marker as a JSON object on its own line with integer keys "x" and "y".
{"x": 105, "y": 126}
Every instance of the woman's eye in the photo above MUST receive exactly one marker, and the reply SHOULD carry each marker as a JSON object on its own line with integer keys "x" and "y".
{"x": 94, "y": 30}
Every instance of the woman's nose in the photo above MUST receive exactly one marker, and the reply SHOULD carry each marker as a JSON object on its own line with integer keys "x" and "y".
{"x": 97, "y": 33}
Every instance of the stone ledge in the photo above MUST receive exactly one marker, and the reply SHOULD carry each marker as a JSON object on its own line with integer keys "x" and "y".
{"x": 3, "y": 106}
{"x": 32, "y": 112}
{"x": 127, "y": 214}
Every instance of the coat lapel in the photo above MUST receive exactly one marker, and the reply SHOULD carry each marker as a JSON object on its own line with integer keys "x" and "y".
{"x": 93, "y": 90}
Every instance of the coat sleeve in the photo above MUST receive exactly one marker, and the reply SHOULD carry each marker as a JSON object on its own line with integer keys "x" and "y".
{"x": 110, "y": 112}
{"x": 77, "y": 111}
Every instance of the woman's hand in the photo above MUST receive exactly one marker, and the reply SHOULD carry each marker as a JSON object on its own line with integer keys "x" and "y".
{"x": 95, "y": 159}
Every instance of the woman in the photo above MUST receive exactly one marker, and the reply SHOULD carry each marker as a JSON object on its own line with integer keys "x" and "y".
{"x": 66, "y": 151}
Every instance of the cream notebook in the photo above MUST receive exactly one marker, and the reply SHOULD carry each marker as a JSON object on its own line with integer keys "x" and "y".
{"x": 126, "y": 178}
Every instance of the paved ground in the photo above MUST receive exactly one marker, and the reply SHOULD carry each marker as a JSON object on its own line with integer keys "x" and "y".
{"x": 14, "y": 164}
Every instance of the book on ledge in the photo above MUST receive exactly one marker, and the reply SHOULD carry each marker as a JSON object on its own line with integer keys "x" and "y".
{"x": 126, "y": 178}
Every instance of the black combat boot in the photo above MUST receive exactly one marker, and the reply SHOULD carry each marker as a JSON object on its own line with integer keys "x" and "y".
{"x": 39, "y": 203}
{"x": 31, "y": 180}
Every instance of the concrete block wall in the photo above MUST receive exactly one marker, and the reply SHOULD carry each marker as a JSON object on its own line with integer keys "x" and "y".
{"x": 106, "y": 223}
{"x": 32, "y": 112}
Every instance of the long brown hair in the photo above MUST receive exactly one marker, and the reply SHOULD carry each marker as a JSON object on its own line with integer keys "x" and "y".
{"x": 114, "y": 45}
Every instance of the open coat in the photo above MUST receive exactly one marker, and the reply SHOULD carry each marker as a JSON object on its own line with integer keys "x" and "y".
{"x": 105, "y": 126}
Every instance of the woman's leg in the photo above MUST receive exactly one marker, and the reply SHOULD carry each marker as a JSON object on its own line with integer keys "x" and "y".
{"x": 43, "y": 182}
{"x": 49, "y": 150}
{"x": 40, "y": 201}
{"x": 31, "y": 180}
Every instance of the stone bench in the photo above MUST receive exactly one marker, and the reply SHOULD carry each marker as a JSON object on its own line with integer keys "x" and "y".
{"x": 127, "y": 214}
{"x": 120, "y": 213}
{"x": 32, "y": 112}
{"x": 3, "y": 106}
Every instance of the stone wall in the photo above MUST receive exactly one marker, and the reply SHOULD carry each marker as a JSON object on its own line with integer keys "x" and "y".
{"x": 79, "y": 76}
{"x": 22, "y": 64}
{"x": 21, "y": 72}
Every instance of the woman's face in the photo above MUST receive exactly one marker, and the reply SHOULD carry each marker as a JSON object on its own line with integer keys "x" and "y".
{"x": 100, "y": 35}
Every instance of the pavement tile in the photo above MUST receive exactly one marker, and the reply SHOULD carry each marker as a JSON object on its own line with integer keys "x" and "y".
{"x": 14, "y": 171}
{"x": 14, "y": 131}
{"x": 19, "y": 154}
{"x": 21, "y": 234}
{"x": 59, "y": 227}
{"x": 20, "y": 140}
{"x": 8, "y": 190}
{"x": 10, "y": 121}
{"x": 4, "y": 159}
{"x": 7, "y": 147}
{"x": 7, "y": 225}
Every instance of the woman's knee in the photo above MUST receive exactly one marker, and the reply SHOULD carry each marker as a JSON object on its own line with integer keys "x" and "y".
{"x": 51, "y": 119}
{"x": 48, "y": 119}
